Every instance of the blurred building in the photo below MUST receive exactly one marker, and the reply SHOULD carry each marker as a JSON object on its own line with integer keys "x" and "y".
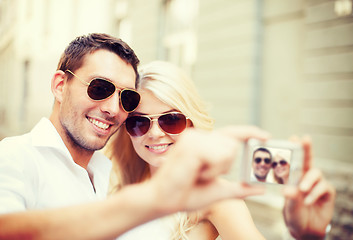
{"x": 284, "y": 65}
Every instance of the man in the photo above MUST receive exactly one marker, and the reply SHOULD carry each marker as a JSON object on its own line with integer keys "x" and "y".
{"x": 261, "y": 163}
{"x": 53, "y": 182}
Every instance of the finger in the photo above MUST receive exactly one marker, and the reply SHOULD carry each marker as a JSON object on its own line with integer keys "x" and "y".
{"x": 221, "y": 164}
{"x": 245, "y": 190}
{"x": 308, "y": 156}
{"x": 307, "y": 150}
{"x": 320, "y": 190}
{"x": 213, "y": 166}
{"x": 297, "y": 140}
{"x": 238, "y": 190}
{"x": 309, "y": 180}
{"x": 219, "y": 189}
{"x": 290, "y": 192}
{"x": 246, "y": 132}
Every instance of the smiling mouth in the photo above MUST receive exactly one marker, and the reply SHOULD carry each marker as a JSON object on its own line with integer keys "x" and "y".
{"x": 99, "y": 124}
{"x": 159, "y": 147}
{"x": 262, "y": 169}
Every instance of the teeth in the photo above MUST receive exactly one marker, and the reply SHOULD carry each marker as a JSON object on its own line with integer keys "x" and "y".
{"x": 99, "y": 124}
{"x": 159, "y": 147}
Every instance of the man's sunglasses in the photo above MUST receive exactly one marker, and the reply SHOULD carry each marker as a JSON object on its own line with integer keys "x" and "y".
{"x": 266, "y": 160}
{"x": 282, "y": 163}
{"x": 99, "y": 89}
{"x": 170, "y": 123}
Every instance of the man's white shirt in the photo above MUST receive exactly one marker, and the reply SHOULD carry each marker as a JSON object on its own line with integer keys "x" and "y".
{"x": 38, "y": 172}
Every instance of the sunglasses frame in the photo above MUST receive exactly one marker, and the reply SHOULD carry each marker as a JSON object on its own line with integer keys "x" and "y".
{"x": 117, "y": 88}
{"x": 155, "y": 117}
{"x": 262, "y": 160}
{"x": 280, "y": 162}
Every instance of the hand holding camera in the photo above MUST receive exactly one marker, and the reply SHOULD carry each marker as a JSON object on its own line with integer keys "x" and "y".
{"x": 309, "y": 205}
{"x": 309, "y": 197}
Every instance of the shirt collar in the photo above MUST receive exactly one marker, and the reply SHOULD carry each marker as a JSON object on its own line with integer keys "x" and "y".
{"x": 44, "y": 134}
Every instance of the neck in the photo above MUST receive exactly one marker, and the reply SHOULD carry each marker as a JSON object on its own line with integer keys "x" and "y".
{"x": 285, "y": 180}
{"x": 260, "y": 179}
{"x": 152, "y": 169}
{"x": 80, "y": 155}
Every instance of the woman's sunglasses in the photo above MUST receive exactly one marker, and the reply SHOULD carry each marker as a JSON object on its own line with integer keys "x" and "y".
{"x": 266, "y": 160}
{"x": 99, "y": 89}
{"x": 170, "y": 123}
{"x": 281, "y": 162}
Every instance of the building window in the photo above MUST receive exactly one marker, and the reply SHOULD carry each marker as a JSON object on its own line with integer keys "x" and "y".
{"x": 122, "y": 28}
{"x": 179, "y": 40}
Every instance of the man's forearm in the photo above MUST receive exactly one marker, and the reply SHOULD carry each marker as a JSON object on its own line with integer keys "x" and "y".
{"x": 99, "y": 220}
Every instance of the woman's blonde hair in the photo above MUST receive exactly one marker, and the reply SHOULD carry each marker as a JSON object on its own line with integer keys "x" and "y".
{"x": 172, "y": 86}
{"x": 286, "y": 157}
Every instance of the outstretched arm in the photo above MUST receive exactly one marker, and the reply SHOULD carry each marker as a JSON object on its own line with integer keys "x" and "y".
{"x": 99, "y": 220}
{"x": 189, "y": 180}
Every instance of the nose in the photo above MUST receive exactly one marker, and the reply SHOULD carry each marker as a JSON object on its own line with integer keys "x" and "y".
{"x": 262, "y": 163}
{"x": 155, "y": 131}
{"x": 111, "y": 106}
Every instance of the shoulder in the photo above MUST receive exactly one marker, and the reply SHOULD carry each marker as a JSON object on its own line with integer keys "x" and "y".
{"x": 15, "y": 148}
{"x": 18, "y": 174}
{"x": 225, "y": 208}
{"x": 15, "y": 140}
{"x": 210, "y": 222}
{"x": 232, "y": 220}
{"x": 18, "y": 154}
{"x": 19, "y": 159}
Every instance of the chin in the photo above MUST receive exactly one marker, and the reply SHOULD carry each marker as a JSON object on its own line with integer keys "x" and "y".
{"x": 156, "y": 163}
{"x": 94, "y": 146}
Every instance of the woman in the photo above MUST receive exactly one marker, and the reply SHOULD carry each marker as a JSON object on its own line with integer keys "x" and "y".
{"x": 281, "y": 167}
{"x": 169, "y": 104}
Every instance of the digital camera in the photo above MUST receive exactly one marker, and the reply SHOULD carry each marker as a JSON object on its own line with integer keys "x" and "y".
{"x": 271, "y": 162}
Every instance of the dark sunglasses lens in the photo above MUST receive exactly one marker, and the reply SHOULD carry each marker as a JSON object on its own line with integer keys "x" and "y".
{"x": 129, "y": 99}
{"x": 283, "y": 162}
{"x": 137, "y": 125}
{"x": 274, "y": 164}
{"x": 267, "y": 160}
{"x": 172, "y": 123}
{"x": 257, "y": 160}
{"x": 100, "y": 89}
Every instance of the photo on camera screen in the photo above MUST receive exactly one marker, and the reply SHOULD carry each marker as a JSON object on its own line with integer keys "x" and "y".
{"x": 273, "y": 162}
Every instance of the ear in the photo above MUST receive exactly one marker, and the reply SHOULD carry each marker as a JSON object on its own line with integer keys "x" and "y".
{"x": 57, "y": 85}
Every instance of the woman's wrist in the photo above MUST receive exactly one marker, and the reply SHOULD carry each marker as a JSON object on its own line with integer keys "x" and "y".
{"x": 316, "y": 236}
{"x": 311, "y": 237}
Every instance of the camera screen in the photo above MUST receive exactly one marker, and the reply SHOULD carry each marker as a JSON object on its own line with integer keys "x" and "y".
{"x": 270, "y": 165}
